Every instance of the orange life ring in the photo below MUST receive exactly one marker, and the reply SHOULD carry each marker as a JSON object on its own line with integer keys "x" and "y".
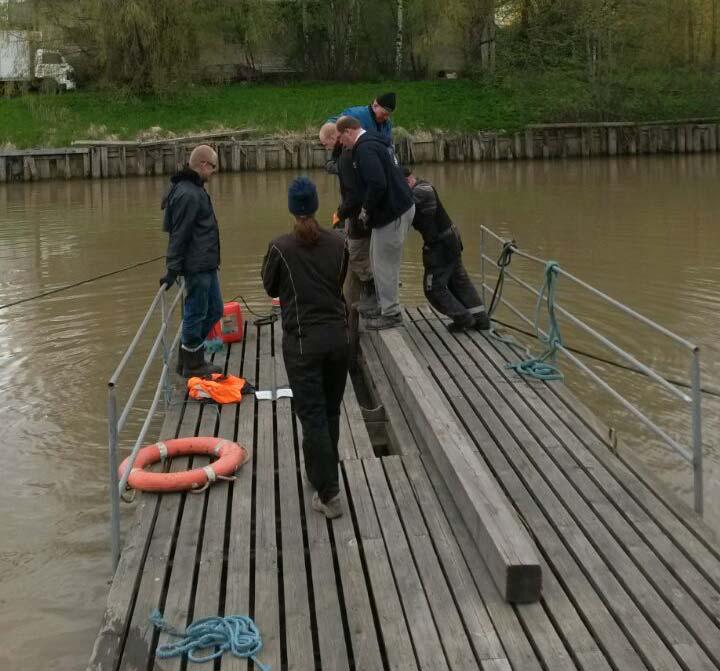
{"x": 230, "y": 456}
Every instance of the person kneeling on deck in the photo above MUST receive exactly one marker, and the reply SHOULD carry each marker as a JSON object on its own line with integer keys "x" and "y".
{"x": 447, "y": 285}
{"x": 388, "y": 209}
{"x": 306, "y": 269}
{"x": 194, "y": 251}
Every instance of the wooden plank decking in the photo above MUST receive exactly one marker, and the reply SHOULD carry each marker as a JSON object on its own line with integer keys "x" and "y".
{"x": 398, "y": 582}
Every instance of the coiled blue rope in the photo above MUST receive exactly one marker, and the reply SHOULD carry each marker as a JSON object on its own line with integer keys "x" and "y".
{"x": 540, "y": 367}
{"x": 235, "y": 633}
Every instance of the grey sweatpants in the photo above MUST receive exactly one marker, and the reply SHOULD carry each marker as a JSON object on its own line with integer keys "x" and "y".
{"x": 386, "y": 247}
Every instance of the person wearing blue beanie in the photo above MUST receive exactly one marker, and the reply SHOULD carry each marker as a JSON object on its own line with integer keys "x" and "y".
{"x": 306, "y": 270}
{"x": 303, "y": 197}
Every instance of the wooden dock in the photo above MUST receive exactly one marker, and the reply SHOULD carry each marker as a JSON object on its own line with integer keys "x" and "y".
{"x": 630, "y": 580}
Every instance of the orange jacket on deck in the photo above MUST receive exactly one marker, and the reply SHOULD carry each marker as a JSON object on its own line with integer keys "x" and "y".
{"x": 221, "y": 388}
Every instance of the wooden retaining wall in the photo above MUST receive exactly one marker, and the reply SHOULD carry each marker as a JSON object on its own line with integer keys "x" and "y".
{"x": 122, "y": 159}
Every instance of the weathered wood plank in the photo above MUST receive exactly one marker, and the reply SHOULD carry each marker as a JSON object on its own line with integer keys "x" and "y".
{"x": 503, "y": 541}
{"x": 584, "y": 598}
{"x": 358, "y": 610}
{"x": 426, "y": 639}
{"x": 391, "y": 619}
{"x": 239, "y": 562}
{"x": 510, "y": 463}
{"x": 328, "y": 606}
{"x": 457, "y": 647}
{"x": 478, "y": 621}
{"x": 298, "y": 635}
{"x": 503, "y": 615}
{"x": 267, "y": 606}
{"x": 210, "y": 590}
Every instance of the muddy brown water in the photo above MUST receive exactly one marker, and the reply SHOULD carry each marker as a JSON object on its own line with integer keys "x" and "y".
{"x": 643, "y": 230}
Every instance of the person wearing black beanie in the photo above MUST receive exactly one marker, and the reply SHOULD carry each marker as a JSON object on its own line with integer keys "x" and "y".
{"x": 375, "y": 116}
{"x": 306, "y": 270}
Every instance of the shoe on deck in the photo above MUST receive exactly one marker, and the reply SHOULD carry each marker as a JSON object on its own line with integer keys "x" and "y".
{"x": 331, "y": 509}
{"x": 482, "y": 322}
{"x": 384, "y": 322}
{"x": 459, "y": 327}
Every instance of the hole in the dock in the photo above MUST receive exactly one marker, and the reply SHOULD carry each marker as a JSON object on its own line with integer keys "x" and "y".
{"x": 373, "y": 414}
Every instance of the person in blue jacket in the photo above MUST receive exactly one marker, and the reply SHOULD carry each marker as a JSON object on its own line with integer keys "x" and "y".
{"x": 375, "y": 116}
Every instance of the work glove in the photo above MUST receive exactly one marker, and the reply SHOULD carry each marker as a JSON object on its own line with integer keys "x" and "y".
{"x": 363, "y": 217}
{"x": 169, "y": 279}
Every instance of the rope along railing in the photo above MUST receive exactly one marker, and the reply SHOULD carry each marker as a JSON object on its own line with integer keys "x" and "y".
{"x": 539, "y": 368}
{"x": 117, "y": 418}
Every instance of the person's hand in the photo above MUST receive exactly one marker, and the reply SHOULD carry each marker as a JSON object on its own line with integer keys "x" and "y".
{"x": 363, "y": 217}
{"x": 169, "y": 279}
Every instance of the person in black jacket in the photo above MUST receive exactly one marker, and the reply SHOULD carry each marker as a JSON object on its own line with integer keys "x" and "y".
{"x": 446, "y": 283}
{"x": 194, "y": 252}
{"x": 359, "y": 284}
{"x": 388, "y": 210}
{"x": 306, "y": 269}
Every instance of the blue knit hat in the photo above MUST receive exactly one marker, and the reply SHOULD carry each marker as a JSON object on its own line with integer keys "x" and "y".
{"x": 302, "y": 197}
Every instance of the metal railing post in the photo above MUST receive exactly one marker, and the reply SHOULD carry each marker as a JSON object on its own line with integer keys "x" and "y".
{"x": 114, "y": 480}
{"x": 697, "y": 432}
{"x": 482, "y": 266}
{"x": 165, "y": 351}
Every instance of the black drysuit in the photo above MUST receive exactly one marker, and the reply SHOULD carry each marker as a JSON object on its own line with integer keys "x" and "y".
{"x": 446, "y": 283}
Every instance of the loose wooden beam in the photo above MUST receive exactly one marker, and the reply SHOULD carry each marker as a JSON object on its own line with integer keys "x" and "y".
{"x": 499, "y": 535}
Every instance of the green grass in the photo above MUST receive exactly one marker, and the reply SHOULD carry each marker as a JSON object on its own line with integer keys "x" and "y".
{"x": 506, "y": 102}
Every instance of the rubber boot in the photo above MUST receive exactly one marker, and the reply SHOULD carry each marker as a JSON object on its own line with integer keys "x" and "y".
{"x": 194, "y": 364}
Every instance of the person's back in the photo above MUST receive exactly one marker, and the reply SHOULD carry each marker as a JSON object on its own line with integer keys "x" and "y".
{"x": 308, "y": 279}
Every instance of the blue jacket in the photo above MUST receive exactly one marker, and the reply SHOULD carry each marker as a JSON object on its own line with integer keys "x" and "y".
{"x": 364, "y": 114}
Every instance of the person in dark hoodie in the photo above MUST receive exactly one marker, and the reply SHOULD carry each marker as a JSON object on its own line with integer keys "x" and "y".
{"x": 446, "y": 283}
{"x": 359, "y": 285}
{"x": 387, "y": 208}
{"x": 194, "y": 252}
{"x": 306, "y": 269}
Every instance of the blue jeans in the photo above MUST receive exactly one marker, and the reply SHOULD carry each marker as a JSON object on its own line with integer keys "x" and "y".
{"x": 203, "y": 307}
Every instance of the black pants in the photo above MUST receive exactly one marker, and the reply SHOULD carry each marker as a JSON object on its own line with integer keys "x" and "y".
{"x": 317, "y": 379}
{"x": 447, "y": 285}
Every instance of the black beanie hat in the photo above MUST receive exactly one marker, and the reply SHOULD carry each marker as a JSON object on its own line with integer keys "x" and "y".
{"x": 387, "y": 100}
{"x": 302, "y": 197}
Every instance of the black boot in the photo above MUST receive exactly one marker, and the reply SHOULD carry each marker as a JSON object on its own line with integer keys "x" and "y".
{"x": 194, "y": 364}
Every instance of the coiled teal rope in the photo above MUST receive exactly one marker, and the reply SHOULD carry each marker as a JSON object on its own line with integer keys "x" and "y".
{"x": 235, "y": 633}
{"x": 539, "y": 367}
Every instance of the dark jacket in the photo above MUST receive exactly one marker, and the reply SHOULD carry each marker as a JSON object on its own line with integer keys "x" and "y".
{"x": 351, "y": 195}
{"x": 431, "y": 220}
{"x": 309, "y": 281}
{"x": 441, "y": 240}
{"x": 386, "y": 194}
{"x": 194, "y": 243}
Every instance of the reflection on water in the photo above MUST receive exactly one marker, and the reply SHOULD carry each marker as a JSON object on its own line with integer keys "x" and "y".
{"x": 641, "y": 230}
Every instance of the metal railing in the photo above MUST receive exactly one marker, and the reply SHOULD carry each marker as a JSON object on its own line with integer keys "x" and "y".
{"x": 694, "y": 455}
{"x": 117, "y": 423}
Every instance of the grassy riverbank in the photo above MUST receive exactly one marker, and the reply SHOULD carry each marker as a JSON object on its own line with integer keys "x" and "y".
{"x": 506, "y": 102}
